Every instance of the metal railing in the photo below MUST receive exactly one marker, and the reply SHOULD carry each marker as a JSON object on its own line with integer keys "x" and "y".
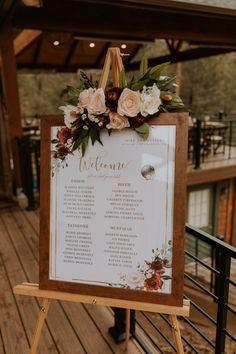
{"x": 212, "y": 140}
{"x": 210, "y": 305}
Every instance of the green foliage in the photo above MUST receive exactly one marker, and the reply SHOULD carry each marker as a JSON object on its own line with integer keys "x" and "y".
{"x": 143, "y": 131}
{"x": 144, "y": 65}
{"x": 122, "y": 80}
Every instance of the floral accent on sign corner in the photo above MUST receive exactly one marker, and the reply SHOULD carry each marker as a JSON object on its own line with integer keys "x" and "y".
{"x": 90, "y": 109}
{"x": 153, "y": 274}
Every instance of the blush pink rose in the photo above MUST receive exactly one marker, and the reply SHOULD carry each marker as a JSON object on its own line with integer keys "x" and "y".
{"x": 129, "y": 103}
{"x": 85, "y": 97}
{"x": 97, "y": 103}
{"x": 117, "y": 121}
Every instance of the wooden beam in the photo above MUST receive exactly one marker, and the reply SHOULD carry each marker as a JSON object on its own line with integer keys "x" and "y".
{"x": 186, "y": 55}
{"x": 76, "y": 16}
{"x": 24, "y": 39}
{"x": 6, "y": 188}
{"x": 11, "y": 95}
{"x": 71, "y": 52}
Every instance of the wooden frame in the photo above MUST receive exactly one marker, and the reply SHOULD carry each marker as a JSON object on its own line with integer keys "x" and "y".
{"x": 176, "y": 297}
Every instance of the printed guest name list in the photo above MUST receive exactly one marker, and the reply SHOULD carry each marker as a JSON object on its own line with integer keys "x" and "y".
{"x": 111, "y": 208}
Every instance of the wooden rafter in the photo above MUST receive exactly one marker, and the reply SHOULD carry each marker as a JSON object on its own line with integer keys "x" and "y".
{"x": 185, "y": 55}
{"x": 195, "y": 25}
{"x": 24, "y": 39}
{"x": 174, "y": 45}
{"x": 71, "y": 52}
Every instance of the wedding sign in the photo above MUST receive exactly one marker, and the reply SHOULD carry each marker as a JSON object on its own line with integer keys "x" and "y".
{"x": 112, "y": 219}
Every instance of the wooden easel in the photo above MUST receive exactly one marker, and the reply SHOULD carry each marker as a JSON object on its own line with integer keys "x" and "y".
{"x": 30, "y": 289}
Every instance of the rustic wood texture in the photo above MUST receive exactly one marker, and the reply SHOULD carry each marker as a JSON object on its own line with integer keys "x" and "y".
{"x": 180, "y": 120}
{"x": 199, "y": 23}
{"x": 70, "y": 328}
{"x": 6, "y": 185}
{"x": 11, "y": 95}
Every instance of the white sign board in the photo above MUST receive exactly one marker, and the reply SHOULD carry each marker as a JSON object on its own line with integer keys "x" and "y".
{"x": 111, "y": 212}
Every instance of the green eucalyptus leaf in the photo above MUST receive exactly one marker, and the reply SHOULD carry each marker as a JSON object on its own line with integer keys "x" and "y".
{"x": 144, "y": 65}
{"x": 155, "y": 72}
{"x": 73, "y": 91}
{"x": 167, "y": 84}
{"x": 93, "y": 134}
{"x": 73, "y": 101}
{"x": 122, "y": 80}
{"x": 55, "y": 141}
{"x": 143, "y": 130}
{"x": 84, "y": 144}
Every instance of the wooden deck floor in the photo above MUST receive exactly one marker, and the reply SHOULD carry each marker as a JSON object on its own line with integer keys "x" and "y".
{"x": 70, "y": 328}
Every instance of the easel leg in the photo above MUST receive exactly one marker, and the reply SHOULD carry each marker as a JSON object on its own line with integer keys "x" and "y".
{"x": 176, "y": 334}
{"x": 127, "y": 328}
{"x": 39, "y": 325}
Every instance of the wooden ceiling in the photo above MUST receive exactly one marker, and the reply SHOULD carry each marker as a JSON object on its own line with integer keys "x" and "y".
{"x": 70, "y": 53}
{"x": 77, "y": 23}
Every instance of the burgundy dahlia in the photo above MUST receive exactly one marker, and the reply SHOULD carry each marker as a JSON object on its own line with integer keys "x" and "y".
{"x": 112, "y": 97}
{"x": 137, "y": 121}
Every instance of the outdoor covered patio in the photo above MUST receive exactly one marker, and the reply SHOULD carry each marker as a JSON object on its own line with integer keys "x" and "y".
{"x": 57, "y": 36}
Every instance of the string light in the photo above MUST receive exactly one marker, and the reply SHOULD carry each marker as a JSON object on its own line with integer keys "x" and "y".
{"x": 123, "y": 46}
{"x": 56, "y": 43}
{"x": 92, "y": 45}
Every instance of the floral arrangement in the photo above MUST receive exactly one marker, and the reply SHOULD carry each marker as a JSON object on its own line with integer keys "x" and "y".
{"x": 89, "y": 109}
{"x": 152, "y": 275}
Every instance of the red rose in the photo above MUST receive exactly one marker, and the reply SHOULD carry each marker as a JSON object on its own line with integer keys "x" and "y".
{"x": 153, "y": 283}
{"x": 63, "y": 135}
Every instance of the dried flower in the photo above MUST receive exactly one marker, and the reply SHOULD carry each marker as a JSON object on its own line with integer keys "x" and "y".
{"x": 167, "y": 97}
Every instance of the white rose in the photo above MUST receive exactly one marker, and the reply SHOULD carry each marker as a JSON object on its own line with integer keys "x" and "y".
{"x": 150, "y": 100}
{"x": 135, "y": 280}
{"x": 85, "y": 97}
{"x": 129, "y": 103}
{"x": 70, "y": 114}
{"x": 97, "y": 103}
{"x": 117, "y": 121}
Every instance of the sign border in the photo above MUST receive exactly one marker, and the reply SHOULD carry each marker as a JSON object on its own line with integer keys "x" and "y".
{"x": 175, "y": 298}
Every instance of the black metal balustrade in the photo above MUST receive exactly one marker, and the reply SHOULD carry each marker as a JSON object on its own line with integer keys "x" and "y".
{"x": 210, "y": 302}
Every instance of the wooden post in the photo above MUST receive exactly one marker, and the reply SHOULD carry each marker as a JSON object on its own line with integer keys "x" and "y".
{"x": 178, "y": 74}
{"x": 6, "y": 190}
{"x": 127, "y": 328}
{"x": 11, "y": 95}
{"x": 233, "y": 229}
